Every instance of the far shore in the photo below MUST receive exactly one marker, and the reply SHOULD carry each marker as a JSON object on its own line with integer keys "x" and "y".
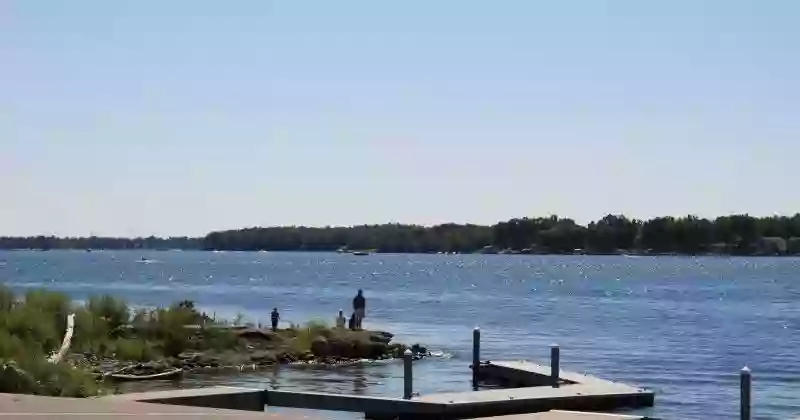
{"x": 624, "y": 253}
{"x": 613, "y": 234}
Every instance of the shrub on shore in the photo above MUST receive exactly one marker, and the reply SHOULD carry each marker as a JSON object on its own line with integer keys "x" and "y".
{"x": 306, "y": 334}
{"x": 32, "y": 327}
{"x": 30, "y": 330}
{"x": 109, "y": 335}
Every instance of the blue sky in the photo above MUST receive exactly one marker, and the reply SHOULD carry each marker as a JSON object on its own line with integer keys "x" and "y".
{"x": 180, "y": 117}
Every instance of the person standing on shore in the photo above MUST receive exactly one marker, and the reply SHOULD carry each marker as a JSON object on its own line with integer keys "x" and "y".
{"x": 359, "y": 308}
{"x": 340, "y": 321}
{"x": 275, "y": 316}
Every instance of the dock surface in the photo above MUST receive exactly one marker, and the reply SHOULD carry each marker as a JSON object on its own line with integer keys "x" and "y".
{"x": 534, "y": 374}
{"x": 16, "y": 406}
{"x": 533, "y": 393}
{"x": 158, "y": 406}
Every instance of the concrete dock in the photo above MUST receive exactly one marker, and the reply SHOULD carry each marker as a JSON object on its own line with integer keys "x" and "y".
{"x": 158, "y": 406}
{"x": 17, "y": 406}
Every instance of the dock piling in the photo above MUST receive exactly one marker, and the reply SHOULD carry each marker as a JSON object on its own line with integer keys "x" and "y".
{"x": 555, "y": 362}
{"x": 744, "y": 402}
{"x": 408, "y": 388}
{"x": 476, "y": 355}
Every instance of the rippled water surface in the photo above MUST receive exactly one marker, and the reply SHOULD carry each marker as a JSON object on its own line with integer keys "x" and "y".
{"x": 680, "y": 326}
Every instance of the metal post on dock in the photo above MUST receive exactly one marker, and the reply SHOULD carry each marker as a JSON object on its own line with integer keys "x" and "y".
{"x": 408, "y": 380}
{"x": 555, "y": 362}
{"x": 744, "y": 402}
{"x": 476, "y": 355}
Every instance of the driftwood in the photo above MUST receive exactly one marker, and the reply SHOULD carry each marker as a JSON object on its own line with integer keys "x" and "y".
{"x": 163, "y": 375}
{"x": 66, "y": 343}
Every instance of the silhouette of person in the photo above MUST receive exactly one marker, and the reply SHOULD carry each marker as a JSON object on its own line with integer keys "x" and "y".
{"x": 360, "y": 308}
{"x": 275, "y": 316}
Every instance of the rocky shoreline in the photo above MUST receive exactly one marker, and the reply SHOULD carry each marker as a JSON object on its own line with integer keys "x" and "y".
{"x": 255, "y": 349}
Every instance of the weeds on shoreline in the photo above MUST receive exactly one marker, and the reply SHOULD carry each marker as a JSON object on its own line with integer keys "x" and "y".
{"x": 305, "y": 335}
{"x": 107, "y": 332}
{"x": 32, "y": 327}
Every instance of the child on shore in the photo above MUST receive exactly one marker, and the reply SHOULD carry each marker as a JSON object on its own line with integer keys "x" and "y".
{"x": 340, "y": 320}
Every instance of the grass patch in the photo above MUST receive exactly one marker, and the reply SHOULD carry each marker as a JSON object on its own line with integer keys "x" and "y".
{"x": 134, "y": 350}
{"x": 305, "y": 335}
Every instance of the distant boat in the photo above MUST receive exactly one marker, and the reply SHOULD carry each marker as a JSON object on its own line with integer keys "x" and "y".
{"x": 360, "y": 253}
{"x": 488, "y": 249}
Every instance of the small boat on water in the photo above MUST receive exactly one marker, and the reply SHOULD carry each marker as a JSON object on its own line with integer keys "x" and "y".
{"x": 360, "y": 253}
{"x": 120, "y": 376}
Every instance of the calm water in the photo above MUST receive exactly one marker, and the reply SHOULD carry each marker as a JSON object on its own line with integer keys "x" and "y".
{"x": 681, "y": 326}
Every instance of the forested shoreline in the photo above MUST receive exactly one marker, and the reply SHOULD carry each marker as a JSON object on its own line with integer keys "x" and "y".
{"x": 613, "y": 234}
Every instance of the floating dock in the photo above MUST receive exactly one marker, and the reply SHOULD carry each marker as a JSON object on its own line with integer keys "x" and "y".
{"x": 534, "y": 393}
{"x": 528, "y": 388}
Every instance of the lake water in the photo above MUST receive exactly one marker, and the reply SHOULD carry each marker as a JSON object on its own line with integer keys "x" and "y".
{"x": 681, "y": 326}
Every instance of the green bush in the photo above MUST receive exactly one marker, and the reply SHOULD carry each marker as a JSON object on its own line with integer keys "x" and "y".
{"x": 220, "y": 338}
{"x": 54, "y": 305}
{"x": 91, "y": 333}
{"x": 114, "y": 311}
{"x": 36, "y": 328}
{"x": 38, "y": 376}
{"x": 317, "y": 325}
{"x": 32, "y": 328}
{"x": 305, "y": 335}
{"x": 168, "y": 325}
{"x": 29, "y": 331}
{"x": 12, "y": 347}
{"x": 7, "y": 299}
{"x": 136, "y": 350}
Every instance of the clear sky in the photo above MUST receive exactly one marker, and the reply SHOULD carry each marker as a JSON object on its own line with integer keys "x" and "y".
{"x": 180, "y": 117}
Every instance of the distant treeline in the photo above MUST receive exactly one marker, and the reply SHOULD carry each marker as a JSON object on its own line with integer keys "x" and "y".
{"x": 613, "y": 234}
{"x": 96, "y": 242}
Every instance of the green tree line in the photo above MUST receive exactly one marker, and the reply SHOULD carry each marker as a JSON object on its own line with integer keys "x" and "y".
{"x": 96, "y": 242}
{"x": 735, "y": 234}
